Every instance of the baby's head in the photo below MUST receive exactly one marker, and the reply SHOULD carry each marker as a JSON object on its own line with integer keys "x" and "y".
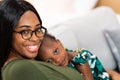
{"x": 52, "y": 51}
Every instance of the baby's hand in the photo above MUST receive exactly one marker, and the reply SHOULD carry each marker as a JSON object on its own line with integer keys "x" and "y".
{"x": 113, "y": 74}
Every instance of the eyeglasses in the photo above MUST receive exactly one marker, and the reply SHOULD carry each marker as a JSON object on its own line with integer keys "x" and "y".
{"x": 27, "y": 34}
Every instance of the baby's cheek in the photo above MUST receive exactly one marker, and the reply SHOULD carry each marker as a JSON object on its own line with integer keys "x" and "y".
{"x": 55, "y": 63}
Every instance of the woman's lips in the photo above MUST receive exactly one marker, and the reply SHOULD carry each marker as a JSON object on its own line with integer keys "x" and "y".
{"x": 32, "y": 48}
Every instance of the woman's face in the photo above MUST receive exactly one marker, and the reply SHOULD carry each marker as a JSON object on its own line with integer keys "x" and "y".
{"x": 22, "y": 47}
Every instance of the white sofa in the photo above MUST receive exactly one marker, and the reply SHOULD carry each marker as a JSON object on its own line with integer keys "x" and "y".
{"x": 87, "y": 32}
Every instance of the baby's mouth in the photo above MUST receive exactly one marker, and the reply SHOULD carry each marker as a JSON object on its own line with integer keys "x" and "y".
{"x": 63, "y": 62}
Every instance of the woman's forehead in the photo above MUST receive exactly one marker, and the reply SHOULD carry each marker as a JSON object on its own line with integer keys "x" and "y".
{"x": 29, "y": 18}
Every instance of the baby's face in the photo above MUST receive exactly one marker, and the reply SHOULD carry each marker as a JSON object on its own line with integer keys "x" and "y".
{"x": 55, "y": 53}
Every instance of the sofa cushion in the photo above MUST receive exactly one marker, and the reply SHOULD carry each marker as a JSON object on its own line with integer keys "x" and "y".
{"x": 113, "y": 40}
{"x": 66, "y": 36}
{"x": 88, "y": 31}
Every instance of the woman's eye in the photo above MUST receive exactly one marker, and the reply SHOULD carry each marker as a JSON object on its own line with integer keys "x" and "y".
{"x": 56, "y": 52}
{"x": 38, "y": 30}
{"x": 25, "y": 32}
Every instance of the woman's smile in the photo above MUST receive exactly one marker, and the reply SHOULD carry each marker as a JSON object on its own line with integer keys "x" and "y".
{"x": 32, "y": 48}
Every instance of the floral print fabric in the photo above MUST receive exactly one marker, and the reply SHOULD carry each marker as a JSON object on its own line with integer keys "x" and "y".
{"x": 84, "y": 56}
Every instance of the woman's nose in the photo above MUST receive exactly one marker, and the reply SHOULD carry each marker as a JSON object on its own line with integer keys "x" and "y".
{"x": 34, "y": 37}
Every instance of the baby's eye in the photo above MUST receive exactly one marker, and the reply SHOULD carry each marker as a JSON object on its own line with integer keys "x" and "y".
{"x": 49, "y": 60}
{"x": 56, "y": 52}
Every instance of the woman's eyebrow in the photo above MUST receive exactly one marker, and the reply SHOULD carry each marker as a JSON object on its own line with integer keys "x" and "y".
{"x": 28, "y": 26}
{"x": 38, "y": 25}
{"x": 23, "y": 26}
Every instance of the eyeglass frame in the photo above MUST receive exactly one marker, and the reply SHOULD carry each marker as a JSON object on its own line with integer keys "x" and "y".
{"x": 32, "y": 33}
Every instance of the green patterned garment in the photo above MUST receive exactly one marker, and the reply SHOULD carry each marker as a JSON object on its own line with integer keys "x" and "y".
{"x": 84, "y": 56}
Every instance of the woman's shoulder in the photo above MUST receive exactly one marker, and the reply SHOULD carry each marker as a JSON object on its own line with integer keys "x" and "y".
{"x": 17, "y": 62}
{"x": 22, "y": 64}
{"x": 21, "y": 70}
{"x": 37, "y": 70}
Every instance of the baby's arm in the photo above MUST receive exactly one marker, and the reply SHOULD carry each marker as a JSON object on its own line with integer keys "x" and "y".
{"x": 96, "y": 67}
{"x": 82, "y": 66}
{"x": 85, "y": 70}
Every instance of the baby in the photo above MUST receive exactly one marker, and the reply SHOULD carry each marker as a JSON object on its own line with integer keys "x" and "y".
{"x": 84, "y": 61}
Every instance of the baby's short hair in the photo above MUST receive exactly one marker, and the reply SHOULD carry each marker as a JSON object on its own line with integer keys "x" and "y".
{"x": 48, "y": 37}
{"x": 47, "y": 40}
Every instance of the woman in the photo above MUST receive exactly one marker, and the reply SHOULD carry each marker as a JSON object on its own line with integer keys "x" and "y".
{"x": 21, "y": 34}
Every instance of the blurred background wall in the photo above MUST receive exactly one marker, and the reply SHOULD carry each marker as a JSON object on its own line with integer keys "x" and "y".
{"x": 55, "y": 11}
